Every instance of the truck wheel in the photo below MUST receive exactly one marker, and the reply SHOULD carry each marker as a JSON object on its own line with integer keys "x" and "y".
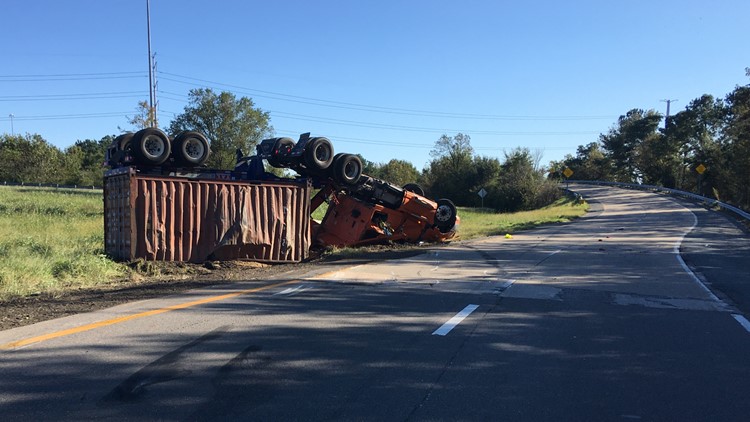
{"x": 190, "y": 148}
{"x": 445, "y": 215}
{"x": 119, "y": 149}
{"x": 123, "y": 142}
{"x": 150, "y": 146}
{"x": 281, "y": 148}
{"x": 347, "y": 169}
{"x": 318, "y": 155}
{"x": 415, "y": 188}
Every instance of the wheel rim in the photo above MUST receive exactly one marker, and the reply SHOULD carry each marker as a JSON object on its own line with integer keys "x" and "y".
{"x": 153, "y": 146}
{"x": 194, "y": 149}
{"x": 443, "y": 213}
{"x": 350, "y": 170}
{"x": 322, "y": 153}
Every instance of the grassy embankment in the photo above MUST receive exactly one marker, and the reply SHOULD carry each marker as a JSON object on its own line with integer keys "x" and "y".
{"x": 478, "y": 223}
{"x": 53, "y": 239}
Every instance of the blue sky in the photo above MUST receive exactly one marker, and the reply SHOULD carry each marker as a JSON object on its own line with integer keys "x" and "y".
{"x": 381, "y": 78}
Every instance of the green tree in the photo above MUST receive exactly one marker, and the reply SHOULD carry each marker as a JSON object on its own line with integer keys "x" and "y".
{"x": 521, "y": 185}
{"x": 737, "y": 145}
{"x": 621, "y": 143}
{"x": 456, "y": 149}
{"x": 589, "y": 163}
{"x": 658, "y": 161}
{"x": 228, "y": 122}
{"x": 693, "y": 136}
{"x": 29, "y": 159}
{"x": 83, "y": 163}
{"x": 486, "y": 170}
{"x": 399, "y": 172}
{"x": 449, "y": 173}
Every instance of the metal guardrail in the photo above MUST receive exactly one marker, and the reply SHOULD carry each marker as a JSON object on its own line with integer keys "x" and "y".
{"x": 675, "y": 192}
{"x": 49, "y": 185}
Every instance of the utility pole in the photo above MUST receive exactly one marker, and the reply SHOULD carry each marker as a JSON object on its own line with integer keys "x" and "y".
{"x": 151, "y": 92}
{"x": 666, "y": 119}
{"x": 12, "y": 132}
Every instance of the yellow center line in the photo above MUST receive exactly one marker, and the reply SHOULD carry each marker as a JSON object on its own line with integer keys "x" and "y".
{"x": 87, "y": 327}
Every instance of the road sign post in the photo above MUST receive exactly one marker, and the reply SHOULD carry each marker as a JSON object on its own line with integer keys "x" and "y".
{"x": 482, "y": 193}
{"x": 700, "y": 169}
{"x": 567, "y": 173}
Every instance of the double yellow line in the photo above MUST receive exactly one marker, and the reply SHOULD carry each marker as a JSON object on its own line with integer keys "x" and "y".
{"x": 92, "y": 326}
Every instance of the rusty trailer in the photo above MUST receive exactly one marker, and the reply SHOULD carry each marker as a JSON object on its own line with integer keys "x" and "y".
{"x": 200, "y": 217}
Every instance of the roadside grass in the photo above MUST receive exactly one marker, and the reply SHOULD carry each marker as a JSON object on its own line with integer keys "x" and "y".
{"x": 477, "y": 222}
{"x": 52, "y": 240}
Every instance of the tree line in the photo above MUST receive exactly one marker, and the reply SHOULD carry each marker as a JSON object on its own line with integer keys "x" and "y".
{"x": 704, "y": 148}
{"x": 457, "y": 173}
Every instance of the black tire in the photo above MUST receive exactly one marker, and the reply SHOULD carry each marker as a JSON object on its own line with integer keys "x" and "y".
{"x": 190, "y": 148}
{"x": 123, "y": 142}
{"x": 281, "y": 148}
{"x": 119, "y": 149}
{"x": 318, "y": 155}
{"x": 445, "y": 215}
{"x": 330, "y": 172}
{"x": 150, "y": 146}
{"x": 347, "y": 169}
{"x": 415, "y": 188}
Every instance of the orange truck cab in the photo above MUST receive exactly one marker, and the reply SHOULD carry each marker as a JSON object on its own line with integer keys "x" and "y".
{"x": 397, "y": 215}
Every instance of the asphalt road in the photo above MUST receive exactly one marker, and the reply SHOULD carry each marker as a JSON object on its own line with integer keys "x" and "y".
{"x": 601, "y": 319}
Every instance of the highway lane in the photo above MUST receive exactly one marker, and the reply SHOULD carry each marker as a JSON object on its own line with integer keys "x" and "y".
{"x": 718, "y": 250}
{"x": 594, "y": 320}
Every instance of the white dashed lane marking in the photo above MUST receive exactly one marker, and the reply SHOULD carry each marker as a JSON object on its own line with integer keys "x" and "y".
{"x": 453, "y": 322}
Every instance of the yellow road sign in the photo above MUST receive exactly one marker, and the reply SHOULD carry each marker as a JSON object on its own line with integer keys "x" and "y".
{"x": 568, "y": 172}
{"x": 700, "y": 169}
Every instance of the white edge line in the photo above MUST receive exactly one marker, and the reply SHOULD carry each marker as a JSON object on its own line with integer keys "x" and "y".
{"x": 685, "y": 266}
{"x": 743, "y": 321}
{"x": 739, "y": 318}
{"x": 453, "y": 322}
{"x": 506, "y": 284}
{"x": 292, "y": 290}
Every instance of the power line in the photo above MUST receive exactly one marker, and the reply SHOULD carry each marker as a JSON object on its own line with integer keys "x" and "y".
{"x": 415, "y": 128}
{"x": 70, "y": 74}
{"x": 69, "y": 116}
{"x": 64, "y": 78}
{"x": 82, "y": 96}
{"x": 364, "y": 107}
{"x": 373, "y": 125}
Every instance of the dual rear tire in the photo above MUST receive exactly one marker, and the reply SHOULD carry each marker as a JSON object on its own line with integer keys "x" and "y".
{"x": 152, "y": 147}
{"x": 346, "y": 169}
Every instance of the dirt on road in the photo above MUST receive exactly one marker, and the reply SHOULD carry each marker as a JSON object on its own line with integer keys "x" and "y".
{"x": 154, "y": 279}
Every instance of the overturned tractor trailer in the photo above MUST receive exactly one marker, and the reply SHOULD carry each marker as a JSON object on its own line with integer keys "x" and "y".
{"x": 161, "y": 203}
